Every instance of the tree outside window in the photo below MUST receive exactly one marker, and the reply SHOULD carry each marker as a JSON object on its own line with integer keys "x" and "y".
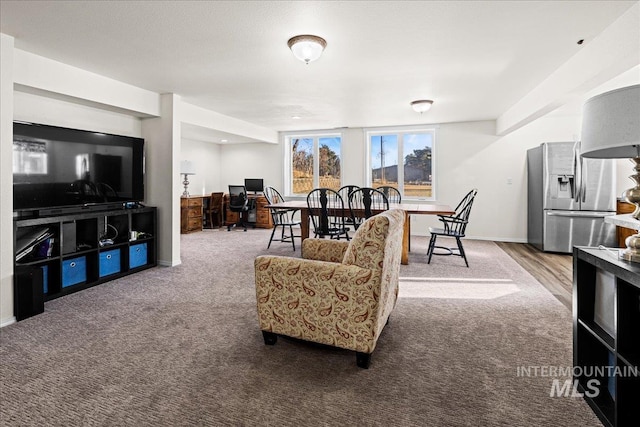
{"x": 414, "y": 151}
{"x": 306, "y": 173}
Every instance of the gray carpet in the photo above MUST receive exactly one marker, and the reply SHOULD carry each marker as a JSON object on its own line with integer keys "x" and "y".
{"x": 181, "y": 346}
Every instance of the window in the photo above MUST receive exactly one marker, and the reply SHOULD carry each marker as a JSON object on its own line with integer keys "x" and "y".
{"x": 413, "y": 151}
{"x": 29, "y": 157}
{"x": 315, "y": 162}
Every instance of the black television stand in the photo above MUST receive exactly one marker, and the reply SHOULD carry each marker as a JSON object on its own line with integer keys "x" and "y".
{"x": 74, "y": 255}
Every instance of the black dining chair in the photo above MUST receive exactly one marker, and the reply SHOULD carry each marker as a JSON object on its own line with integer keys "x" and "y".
{"x": 327, "y": 211}
{"x": 281, "y": 218}
{"x": 344, "y": 192}
{"x": 453, "y": 226}
{"x": 364, "y": 203}
{"x": 214, "y": 210}
{"x": 392, "y": 193}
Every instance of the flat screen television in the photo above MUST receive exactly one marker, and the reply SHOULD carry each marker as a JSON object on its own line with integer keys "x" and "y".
{"x": 55, "y": 167}
{"x": 254, "y": 184}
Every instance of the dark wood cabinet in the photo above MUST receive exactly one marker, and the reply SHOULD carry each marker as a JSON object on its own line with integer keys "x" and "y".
{"x": 622, "y": 233}
{"x": 260, "y": 215}
{"x": 263, "y": 214}
{"x": 76, "y": 251}
{"x": 606, "y": 334}
{"x": 191, "y": 213}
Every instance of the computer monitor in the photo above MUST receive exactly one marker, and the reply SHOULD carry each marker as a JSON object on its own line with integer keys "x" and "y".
{"x": 254, "y": 184}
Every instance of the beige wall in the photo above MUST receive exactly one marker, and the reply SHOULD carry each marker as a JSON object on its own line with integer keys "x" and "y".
{"x": 255, "y": 160}
{"x": 6, "y": 180}
{"x": 206, "y": 158}
{"x": 467, "y": 155}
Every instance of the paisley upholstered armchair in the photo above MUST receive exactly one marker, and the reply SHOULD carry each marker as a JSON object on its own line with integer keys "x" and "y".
{"x": 341, "y": 294}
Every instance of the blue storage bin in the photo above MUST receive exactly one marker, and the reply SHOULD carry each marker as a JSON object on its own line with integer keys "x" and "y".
{"x": 137, "y": 255}
{"x": 45, "y": 279}
{"x": 109, "y": 262}
{"x": 74, "y": 271}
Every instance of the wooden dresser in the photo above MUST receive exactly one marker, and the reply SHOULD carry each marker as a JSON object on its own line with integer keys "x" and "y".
{"x": 191, "y": 214}
{"x": 622, "y": 233}
{"x": 262, "y": 213}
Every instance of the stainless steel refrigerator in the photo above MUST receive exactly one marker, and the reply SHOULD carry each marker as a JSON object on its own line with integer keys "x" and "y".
{"x": 569, "y": 197}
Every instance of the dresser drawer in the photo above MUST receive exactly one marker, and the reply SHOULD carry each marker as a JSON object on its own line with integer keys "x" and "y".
{"x": 196, "y": 202}
{"x": 194, "y": 212}
{"x": 232, "y": 217}
{"x": 194, "y": 224}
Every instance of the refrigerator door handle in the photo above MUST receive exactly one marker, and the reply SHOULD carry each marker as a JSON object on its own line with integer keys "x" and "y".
{"x": 583, "y": 179}
{"x": 577, "y": 172}
{"x": 581, "y": 214}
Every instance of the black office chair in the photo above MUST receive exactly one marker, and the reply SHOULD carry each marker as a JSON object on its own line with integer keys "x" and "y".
{"x": 238, "y": 202}
{"x": 454, "y": 226}
{"x": 281, "y": 217}
{"x": 392, "y": 193}
{"x": 327, "y": 212}
{"x": 363, "y": 202}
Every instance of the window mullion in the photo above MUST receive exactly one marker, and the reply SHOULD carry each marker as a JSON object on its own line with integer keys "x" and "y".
{"x": 316, "y": 162}
{"x": 401, "y": 162}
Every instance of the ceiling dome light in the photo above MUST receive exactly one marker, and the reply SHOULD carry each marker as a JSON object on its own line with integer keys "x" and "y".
{"x": 307, "y": 48}
{"x": 422, "y": 105}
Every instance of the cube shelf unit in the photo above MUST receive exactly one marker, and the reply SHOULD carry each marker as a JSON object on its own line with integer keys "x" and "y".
{"x": 85, "y": 249}
{"x": 606, "y": 333}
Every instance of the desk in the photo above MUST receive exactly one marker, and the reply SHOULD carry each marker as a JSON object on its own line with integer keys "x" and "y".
{"x": 260, "y": 217}
{"x": 409, "y": 209}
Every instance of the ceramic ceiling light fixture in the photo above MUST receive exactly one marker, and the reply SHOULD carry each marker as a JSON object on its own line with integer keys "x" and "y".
{"x": 421, "y": 105}
{"x": 307, "y": 48}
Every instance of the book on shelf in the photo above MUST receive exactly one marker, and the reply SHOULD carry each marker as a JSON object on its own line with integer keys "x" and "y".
{"x": 31, "y": 240}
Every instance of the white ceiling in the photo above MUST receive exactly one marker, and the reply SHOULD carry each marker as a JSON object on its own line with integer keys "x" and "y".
{"x": 474, "y": 59}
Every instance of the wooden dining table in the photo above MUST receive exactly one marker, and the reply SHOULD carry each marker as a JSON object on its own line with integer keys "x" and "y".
{"x": 408, "y": 208}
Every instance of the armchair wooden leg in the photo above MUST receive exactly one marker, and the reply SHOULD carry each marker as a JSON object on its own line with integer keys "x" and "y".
{"x": 363, "y": 360}
{"x": 269, "y": 338}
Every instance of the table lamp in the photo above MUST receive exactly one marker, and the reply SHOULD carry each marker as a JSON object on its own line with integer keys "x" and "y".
{"x": 187, "y": 168}
{"x": 611, "y": 130}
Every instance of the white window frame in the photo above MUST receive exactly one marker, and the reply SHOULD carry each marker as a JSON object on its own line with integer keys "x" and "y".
{"x": 401, "y": 131}
{"x": 316, "y": 135}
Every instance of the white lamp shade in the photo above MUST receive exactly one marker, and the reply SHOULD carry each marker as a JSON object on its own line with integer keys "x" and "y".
{"x": 307, "y": 48}
{"x": 187, "y": 167}
{"x": 611, "y": 124}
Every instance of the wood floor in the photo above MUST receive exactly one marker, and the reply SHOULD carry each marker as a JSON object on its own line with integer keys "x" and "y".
{"x": 553, "y": 271}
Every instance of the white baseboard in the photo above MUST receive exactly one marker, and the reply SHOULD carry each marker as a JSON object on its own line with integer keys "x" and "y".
{"x": 163, "y": 263}
{"x": 498, "y": 239}
{"x": 494, "y": 239}
{"x": 7, "y": 322}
